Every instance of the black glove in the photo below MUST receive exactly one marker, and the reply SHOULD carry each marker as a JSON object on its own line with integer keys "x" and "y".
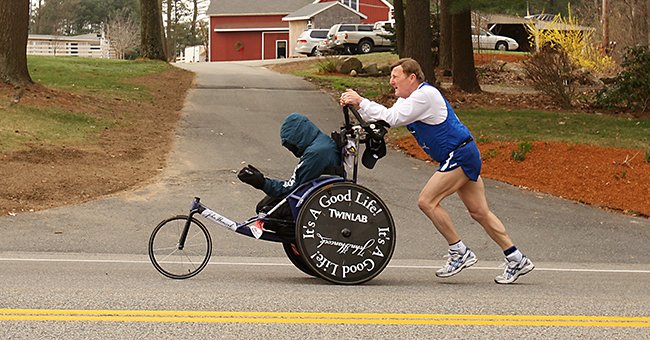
{"x": 251, "y": 176}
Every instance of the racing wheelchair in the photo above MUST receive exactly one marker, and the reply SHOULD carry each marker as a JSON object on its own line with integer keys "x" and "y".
{"x": 344, "y": 232}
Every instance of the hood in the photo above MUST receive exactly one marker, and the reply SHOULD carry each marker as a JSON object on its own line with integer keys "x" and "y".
{"x": 299, "y": 131}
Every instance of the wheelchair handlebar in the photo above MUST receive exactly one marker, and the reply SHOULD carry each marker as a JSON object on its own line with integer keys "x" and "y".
{"x": 375, "y": 132}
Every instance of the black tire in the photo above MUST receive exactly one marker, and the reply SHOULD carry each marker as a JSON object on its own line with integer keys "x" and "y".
{"x": 350, "y": 49}
{"x": 172, "y": 261}
{"x": 316, "y": 53}
{"x": 345, "y": 233}
{"x": 291, "y": 249}
{"x": 501, "y": 46}
{"x": 365, "y": 46}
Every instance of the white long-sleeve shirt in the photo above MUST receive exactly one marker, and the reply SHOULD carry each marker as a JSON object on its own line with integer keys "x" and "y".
{"x": 425, "y": 104}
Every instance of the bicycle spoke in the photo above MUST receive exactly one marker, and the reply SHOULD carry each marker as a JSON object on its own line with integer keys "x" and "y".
{"x": 166, "y": 248}
{"x": 170, "y": 254}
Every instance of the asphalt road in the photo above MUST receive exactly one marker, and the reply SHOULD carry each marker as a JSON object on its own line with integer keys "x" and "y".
{"x": 82, "y": 271}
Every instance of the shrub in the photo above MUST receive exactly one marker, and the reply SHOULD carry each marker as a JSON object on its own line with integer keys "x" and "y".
{"x": 631, "y": 87}
{"x": 328, "y": 64}
{"x": 520, "y": 154}
{"x": 551, "y": 71}
{"x": 578, "y": 43}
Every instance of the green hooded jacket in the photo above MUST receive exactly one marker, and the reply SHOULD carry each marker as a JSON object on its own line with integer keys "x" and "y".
{"x": 317, "y": 151}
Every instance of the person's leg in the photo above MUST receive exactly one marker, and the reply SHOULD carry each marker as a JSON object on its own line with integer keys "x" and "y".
{"x": 439, "y": 186}
{"x": 473, "y": 196}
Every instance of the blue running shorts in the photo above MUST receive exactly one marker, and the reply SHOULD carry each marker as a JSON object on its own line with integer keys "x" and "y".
{"x": 467, "y": 157}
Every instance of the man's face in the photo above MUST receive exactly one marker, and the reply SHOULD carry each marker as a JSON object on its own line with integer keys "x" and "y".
{"x": 403, "y": 84}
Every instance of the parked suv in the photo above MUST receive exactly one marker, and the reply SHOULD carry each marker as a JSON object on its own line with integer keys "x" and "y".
{"x": 355, "y": 38}
{"x": 309, "y": 40}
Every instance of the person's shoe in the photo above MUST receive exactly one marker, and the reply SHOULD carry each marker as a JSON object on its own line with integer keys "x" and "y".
{"x": 514, "y": 269}
{"x": 456, "y": 262}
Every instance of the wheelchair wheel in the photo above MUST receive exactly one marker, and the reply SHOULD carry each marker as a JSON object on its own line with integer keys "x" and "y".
{"x": 345, "y": 233}
{"x": 294, "y": 256}
{"x": 174, "y": 261}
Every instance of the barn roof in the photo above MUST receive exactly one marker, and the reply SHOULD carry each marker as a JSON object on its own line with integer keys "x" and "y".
{"x": 255, "y": 7}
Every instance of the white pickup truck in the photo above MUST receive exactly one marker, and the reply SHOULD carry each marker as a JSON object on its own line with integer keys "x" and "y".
{"x": 356, "y": 38}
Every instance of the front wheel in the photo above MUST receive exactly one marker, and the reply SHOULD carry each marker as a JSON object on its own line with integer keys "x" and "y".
{"x": 178, "y": 259}
{"x": 350, "y": 49}
{"x": 502, "y": 46}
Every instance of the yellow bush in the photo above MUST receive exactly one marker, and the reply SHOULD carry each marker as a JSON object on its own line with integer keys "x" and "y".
{"x": 577, "y": 43}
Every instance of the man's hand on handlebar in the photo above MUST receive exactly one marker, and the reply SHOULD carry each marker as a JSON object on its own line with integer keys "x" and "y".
{"x": 350, "y": 97}
{"x": 250, "y": 175}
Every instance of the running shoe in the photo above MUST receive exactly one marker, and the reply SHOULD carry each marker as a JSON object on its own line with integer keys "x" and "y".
{"x": 514, "y": 269}
{"x": 456, "y": 262}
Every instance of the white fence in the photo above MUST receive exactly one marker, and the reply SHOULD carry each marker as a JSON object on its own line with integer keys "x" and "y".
{"x": 88, "y": 45}
{"x": 193, "y": 54}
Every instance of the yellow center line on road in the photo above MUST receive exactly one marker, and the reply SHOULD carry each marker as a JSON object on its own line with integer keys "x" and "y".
{"x": 320, "y": 318}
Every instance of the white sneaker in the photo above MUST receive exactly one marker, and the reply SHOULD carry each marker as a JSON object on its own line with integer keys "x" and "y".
{"x": 456, "y": 262}
{"x": 514, "y": 269}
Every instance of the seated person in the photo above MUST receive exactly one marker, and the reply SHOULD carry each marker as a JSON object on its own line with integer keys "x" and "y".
{"x": 318, "y": 155}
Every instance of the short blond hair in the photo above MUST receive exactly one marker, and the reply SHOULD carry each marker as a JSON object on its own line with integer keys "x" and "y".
{"x": 409, "y": 66}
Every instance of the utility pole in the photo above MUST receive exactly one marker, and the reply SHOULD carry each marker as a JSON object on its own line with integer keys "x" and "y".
{"x": 605, "y": 20}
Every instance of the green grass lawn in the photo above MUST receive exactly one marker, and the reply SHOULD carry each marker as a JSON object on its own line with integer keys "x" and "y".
{"x": 575, "y": 128}
{"x": 92, "y": 75}
{"x": 97, "y": 78}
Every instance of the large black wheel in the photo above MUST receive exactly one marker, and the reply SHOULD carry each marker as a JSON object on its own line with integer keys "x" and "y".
{"x": 291, "y": 249}
{"x": 178, "y": 261}
{"x": 345, "y": 233}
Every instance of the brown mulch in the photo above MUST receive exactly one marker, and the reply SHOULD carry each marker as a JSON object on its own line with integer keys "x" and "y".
{"x": 611, "y": 178}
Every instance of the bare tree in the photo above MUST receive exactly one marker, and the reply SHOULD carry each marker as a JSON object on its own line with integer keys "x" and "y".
{"x": 204, "y": 36}
{"x": 417, "y": 37}
{"x": 122, "y": 32}
{"x": 151, "y": 39}
{"x": 636, "y": 12}
{"x": 14, "y": 22}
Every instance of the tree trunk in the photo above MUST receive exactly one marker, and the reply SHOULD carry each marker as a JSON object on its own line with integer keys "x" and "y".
{"x": 168, "y": 33}
{"x": 642, "y": 23}
{"x": 151, "y": 30}
{"x": 445, "y": 36}
{"x": 195, "y": 13}
{"x": 417, "y": 37}
{"x": 14, "y": 26}
{"x": 463, "y": 71}
{"x": 398, "y": 8}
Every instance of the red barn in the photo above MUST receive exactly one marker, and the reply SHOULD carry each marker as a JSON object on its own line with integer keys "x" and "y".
{"x": 254, "y": 30}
